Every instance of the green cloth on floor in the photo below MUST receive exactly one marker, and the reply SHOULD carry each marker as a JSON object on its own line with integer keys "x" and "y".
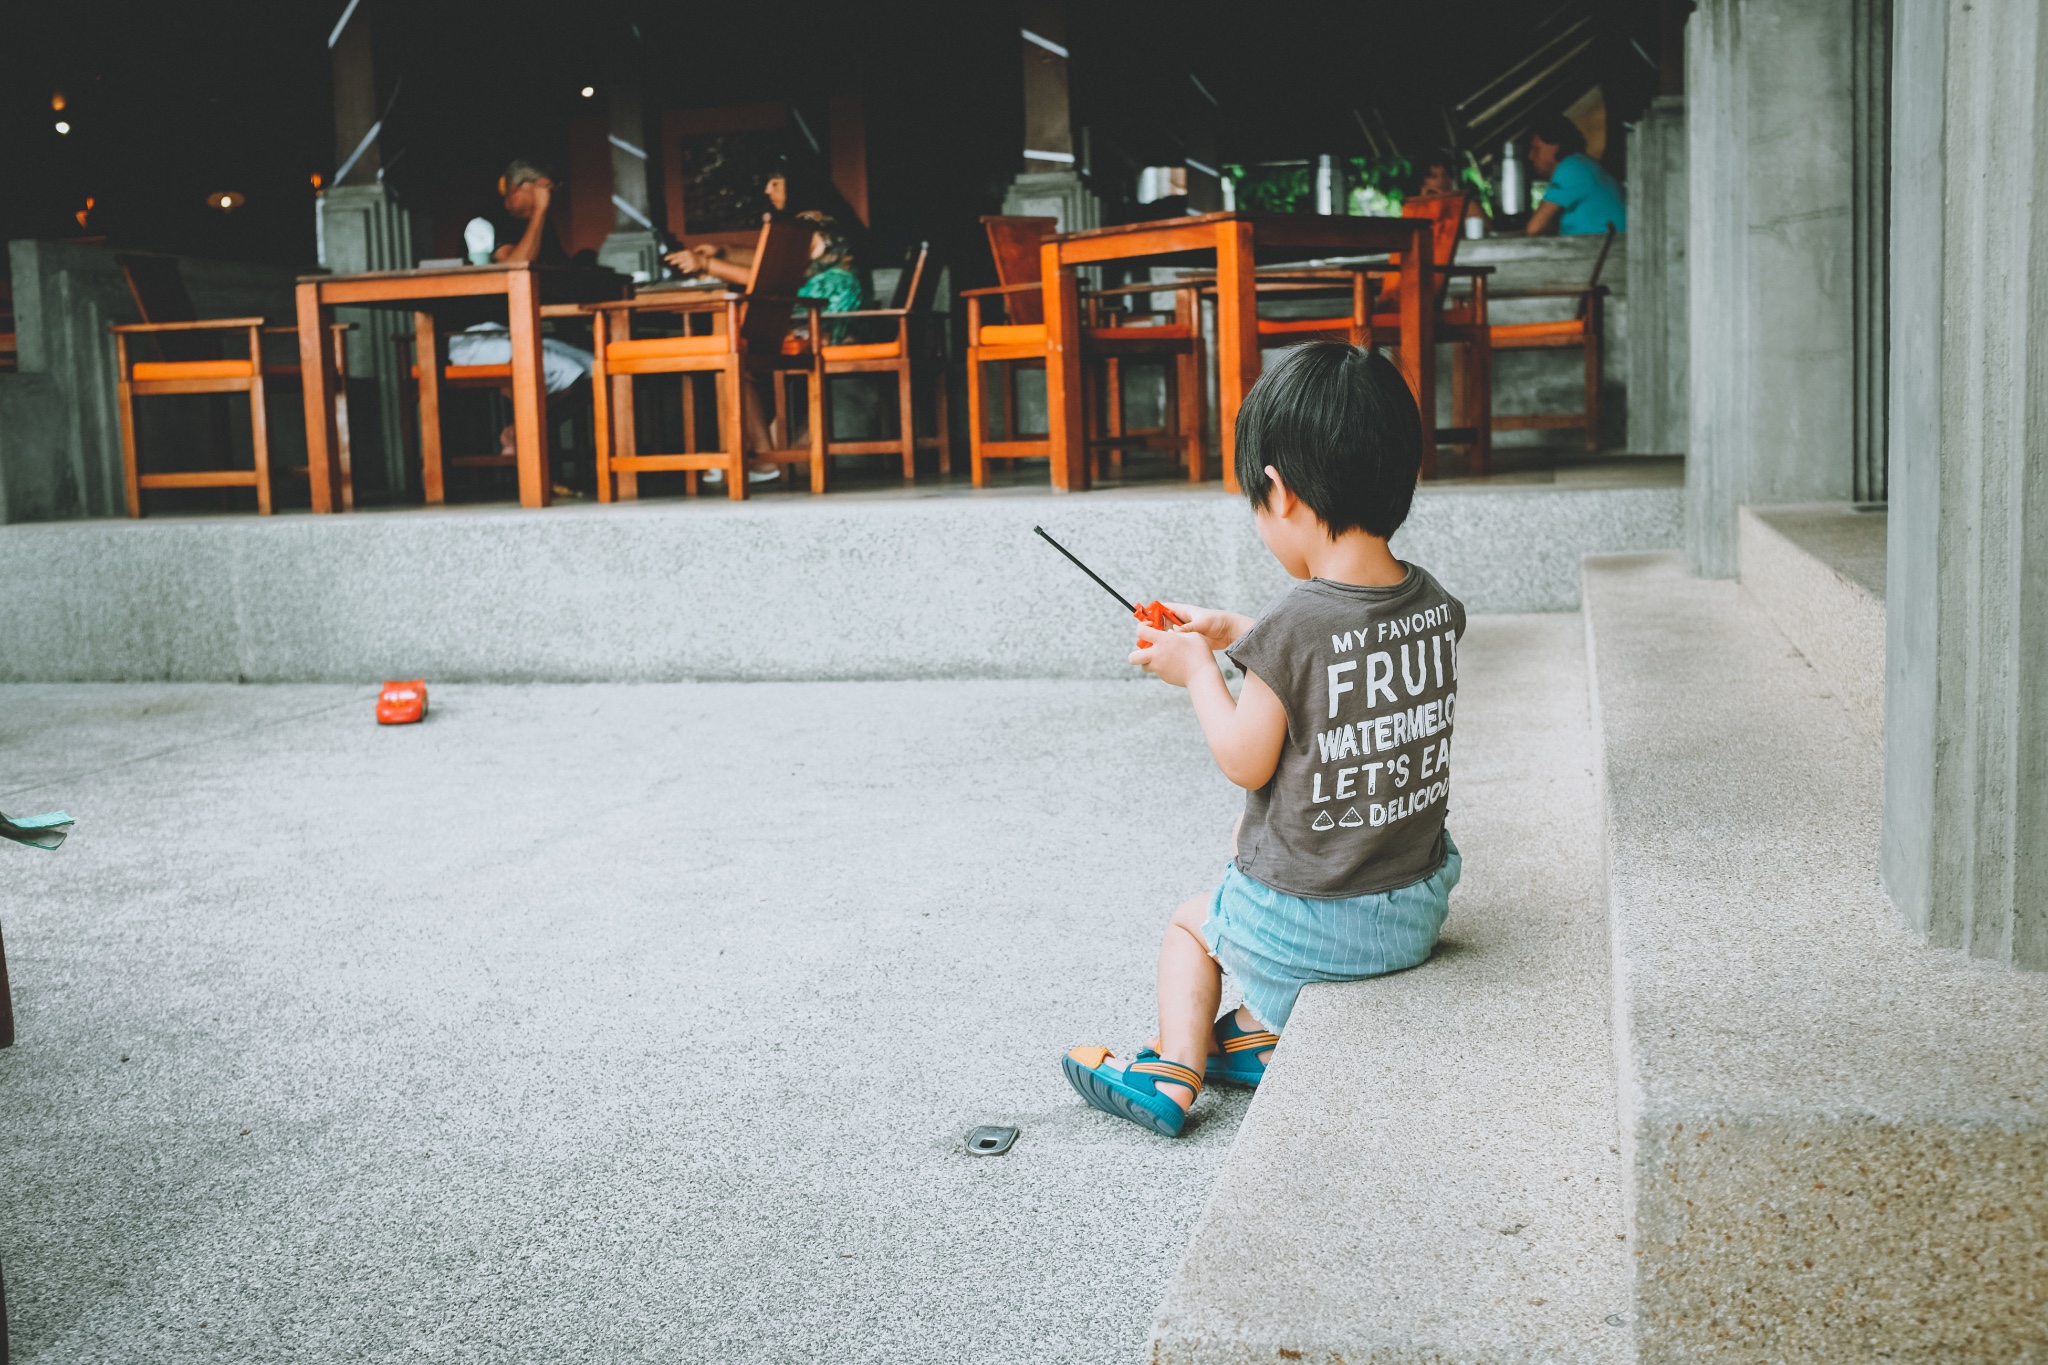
{"x": 38, "y": 831}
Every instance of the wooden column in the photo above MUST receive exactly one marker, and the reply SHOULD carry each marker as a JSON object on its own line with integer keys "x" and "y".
{"x": 355, "y": 98}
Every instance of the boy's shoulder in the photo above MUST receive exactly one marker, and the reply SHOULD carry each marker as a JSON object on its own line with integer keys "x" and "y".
{"x": 1315, "y": 599}
{"x": 1315, "y": 614}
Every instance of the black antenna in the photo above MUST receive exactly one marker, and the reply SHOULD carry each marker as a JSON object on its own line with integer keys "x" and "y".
{"x": 1086, "y": 570}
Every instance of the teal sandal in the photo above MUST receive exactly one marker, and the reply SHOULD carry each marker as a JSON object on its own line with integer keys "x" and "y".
{"x": 1236, "y": 1058}
{"x": 1133, "y": 1092}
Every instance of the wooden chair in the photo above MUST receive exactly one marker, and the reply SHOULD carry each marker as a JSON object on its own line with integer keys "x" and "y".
{"x": 745, "y": 342}
{"x": 1112, "y": 335}
{"x": 192, "y": 363}
{"x": 910, "y": 308}
{"x": 1014, "y": 243}
{"x": 1018, "y": 338}
{"x": 428, "y": 385}
{"x": 1583, "y": 329}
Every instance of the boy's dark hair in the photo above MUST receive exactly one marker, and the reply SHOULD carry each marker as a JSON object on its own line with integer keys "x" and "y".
{"x": 1560, "y": 132}
{"x": 1340, "y": 426}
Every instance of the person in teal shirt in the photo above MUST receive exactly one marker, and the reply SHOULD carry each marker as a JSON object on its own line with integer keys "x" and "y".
{"x": 1583, "y": 198}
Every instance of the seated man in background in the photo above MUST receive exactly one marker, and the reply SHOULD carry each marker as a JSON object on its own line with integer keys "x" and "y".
{"x": 528, "y": 192}
{"x": 1583, "y": 198}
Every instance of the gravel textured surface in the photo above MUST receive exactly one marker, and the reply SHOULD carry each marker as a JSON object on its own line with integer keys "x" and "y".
{"x": 592, "y": 1022}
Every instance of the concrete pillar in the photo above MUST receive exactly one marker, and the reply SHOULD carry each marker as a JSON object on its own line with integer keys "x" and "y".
{"x": 1965, "y": 836}
{"x": 1050, "y": 184}
{"x": 362, "y": 227}
{"x": 1770, "y": 133}
{"x": 632, "y": 248}
{"x": 1657, "y": 223}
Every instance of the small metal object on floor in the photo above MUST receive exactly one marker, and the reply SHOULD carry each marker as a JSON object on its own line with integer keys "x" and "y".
{"x": 990, "y": 1140}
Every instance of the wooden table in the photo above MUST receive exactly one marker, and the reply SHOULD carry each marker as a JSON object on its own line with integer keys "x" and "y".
{"x": 1238, "y": 240}
{"x": 524, "y": 287}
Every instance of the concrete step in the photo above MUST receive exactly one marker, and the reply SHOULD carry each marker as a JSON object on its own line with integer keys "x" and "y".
{"x": 1431, "y": 1172}
{"x": 1836, "y": 1138}
{"x": 1817, "y": 570}
{"x": 943, "y": 583}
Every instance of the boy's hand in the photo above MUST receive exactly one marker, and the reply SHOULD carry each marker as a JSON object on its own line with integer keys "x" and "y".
{"x": 1221, "y": 629}
{"x": 1175, "y": 655}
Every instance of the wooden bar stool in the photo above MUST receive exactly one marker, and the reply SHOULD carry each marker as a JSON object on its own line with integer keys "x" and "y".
{"x": 1015, "y": 244}
{"x": 1585, "y": 329}
{"x": 429, "y": 382}
{"x": 749, "y": 340}
{"x": 153, "y": 378}
{"x": 916, "y": 340}
{"x": 190, "y": 362}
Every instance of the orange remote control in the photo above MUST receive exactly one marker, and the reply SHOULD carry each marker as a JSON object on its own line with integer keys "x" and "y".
{"x": 1157, "y": 615}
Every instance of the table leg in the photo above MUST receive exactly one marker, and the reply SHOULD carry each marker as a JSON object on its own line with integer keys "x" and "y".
{"x": 529, "y": 392}
{"x": 1064, "y": 405}
{"x": 318, "y": 381}
{"x": 1237, "y": 334}
{"x": 1418, "y": 338}
{"x": 426, "y": 355}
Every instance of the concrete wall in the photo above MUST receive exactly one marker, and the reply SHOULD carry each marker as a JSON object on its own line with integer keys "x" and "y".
{"x": 60, "y": 433}
{"x": 1658, "y": 217}
{"x": 842, "y": 587}
{"x": 1967, "y": 756}
{"x": 1770, "y": 141}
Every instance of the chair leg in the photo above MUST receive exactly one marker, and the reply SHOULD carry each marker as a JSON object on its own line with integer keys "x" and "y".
{"x": 976, "y": 464}
{"x": 944, "y": 419}
{"x": 1190, "y": 412}
{"x": 341, "y": 441}
{"x": 259, "y": 429}
{"x": 1592, "y": 391}
{"x": 732, "y": 428}
{"x": 600, "y": 412}
{"x": 625, "y": 436}
{"x": 820, "y": 425}
{"x": 907, "y": 417}
{"x": 128, "y": 456}
{"x": 1482, "y": 403}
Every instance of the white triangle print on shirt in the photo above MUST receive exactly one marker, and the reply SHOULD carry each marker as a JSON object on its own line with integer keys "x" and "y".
{"x": 1323, "y": 821}
{"x": 1352, "y": 819}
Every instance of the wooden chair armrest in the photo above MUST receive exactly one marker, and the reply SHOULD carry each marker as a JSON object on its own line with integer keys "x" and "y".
{"x": 1576, "y": 291}
{"x": 668, "y": 301}
{"x": 209, "y": 325}
{"x": 873, "y": 313}
{"x": 294, "y": 331}
{"x": 1001, "y": 289}
{"x": 1156, "y": 287}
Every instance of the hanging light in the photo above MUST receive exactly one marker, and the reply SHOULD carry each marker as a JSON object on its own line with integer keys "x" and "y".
{"x": 226, "y": 201}
{"x": 590, "y": 92}
{"x": 63, "y": 126}
{"x": 56, "y": 101}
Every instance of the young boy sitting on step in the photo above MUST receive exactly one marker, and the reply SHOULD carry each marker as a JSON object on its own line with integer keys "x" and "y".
{"x": 1340, "y": 736}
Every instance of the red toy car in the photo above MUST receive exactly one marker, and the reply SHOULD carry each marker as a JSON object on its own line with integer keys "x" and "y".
{"x": 402, "y": 703}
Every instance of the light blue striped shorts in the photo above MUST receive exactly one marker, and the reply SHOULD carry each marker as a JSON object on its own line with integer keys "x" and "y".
{"x": 1273, "y": 944}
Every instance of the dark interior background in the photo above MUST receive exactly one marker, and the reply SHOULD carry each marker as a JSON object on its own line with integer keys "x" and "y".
{"x": 170, "y": 104}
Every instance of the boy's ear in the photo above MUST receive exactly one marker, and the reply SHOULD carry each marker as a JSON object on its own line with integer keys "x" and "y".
{"x": 1280, "y": 498}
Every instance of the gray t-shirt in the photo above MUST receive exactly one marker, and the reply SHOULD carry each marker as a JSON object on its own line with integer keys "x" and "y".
{"x": 1369, "y": 677}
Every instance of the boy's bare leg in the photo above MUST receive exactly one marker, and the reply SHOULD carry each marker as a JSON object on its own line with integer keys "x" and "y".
{"x": 1190, "y": 988}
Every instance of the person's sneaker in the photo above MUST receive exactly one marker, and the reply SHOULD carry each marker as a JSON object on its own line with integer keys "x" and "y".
{"x": 756, "y": 474}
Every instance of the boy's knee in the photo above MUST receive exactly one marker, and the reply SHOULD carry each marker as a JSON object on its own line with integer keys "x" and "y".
{"x": 1188, "y": 919}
